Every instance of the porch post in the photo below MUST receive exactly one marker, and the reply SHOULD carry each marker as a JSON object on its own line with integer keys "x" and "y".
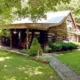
{"x": 77, "y": 38}
{"x": 0, "y": 40}
{"x": 10, "y": 39}
{"x": 27, "y": 42}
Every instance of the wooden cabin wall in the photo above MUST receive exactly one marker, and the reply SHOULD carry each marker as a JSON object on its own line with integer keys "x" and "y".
{"x": 58, "y": 33}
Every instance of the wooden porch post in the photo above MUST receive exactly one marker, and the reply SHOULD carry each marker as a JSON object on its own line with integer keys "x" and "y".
{"x": 0, "y": 41}
{"x": 77, "y": 38}
{"x": 10, "y": 39}
{"x": 27, "y": 42}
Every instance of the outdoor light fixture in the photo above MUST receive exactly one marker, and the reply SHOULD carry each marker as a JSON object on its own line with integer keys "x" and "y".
{"x": 15, "y": 32}
{"x": 37, "y": 32}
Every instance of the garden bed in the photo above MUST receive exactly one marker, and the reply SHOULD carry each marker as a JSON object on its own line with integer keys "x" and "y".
{"x": 39, "y": 60}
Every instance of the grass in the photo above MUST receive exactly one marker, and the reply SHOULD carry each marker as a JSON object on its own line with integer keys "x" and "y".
{"x": 17, "y": 67}
{"x": 72, "y": 59}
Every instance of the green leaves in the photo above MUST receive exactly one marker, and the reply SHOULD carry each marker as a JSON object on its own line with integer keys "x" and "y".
{"x": 6, "y": 7}
{"x": 35, "y": 49}
{"x": 35, "y": 9}
{"x": 74, "y": 6}
{"x": 38, "y": 8}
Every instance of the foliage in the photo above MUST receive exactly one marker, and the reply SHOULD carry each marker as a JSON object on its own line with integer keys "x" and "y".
{"x": 6, "y": 10}
{"x": 32, "y": 52}
{"x": 58, "y": 46}
{"x": 35, "y": 49}
{"x": 5, "y": 33}
{"x": 47, "y": 49}
{"x": 38, "y": 8}
{"x": 23, "y": 51}
{"x": 68, "y": 46}
{"x": 77, "y": 43}
{"x": 73, "y": 5}
{"x": 18, "y": 9}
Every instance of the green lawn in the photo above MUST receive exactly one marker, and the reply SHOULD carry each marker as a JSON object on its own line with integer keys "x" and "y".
{"x": 72, "y": 59}
{"x": 17, "y": 67}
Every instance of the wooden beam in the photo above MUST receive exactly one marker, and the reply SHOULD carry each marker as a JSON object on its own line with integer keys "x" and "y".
{"x": 10, "y": 39}
{"x": 27, "y": 41}
{"x": 77, "y": 38}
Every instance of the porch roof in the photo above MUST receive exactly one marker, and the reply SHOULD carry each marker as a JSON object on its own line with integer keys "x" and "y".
{"x": 38, "y": 26}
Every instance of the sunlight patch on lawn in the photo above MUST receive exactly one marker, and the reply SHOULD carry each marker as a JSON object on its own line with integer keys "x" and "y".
{"x": 7, "y": 78}
{"x": 13, "y": 78}
{"x": 31, "y": 71}
{"x": 5, "y": 66}
{"x": 4, "y": 58}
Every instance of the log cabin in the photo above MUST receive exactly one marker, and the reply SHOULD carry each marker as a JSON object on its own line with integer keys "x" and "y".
{"x": 57, "y": 26}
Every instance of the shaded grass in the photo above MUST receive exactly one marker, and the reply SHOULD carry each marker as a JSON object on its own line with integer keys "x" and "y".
{"x": 72, "y": 59}
{"x": 17, "y": 67}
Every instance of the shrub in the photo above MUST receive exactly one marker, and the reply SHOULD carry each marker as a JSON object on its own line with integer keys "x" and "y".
{"x": 35, "y": 48}
{"x": 47, "y": 49}
{"x": 32, "y": 52}
{"x": 23, "y": 51}
{"x": 51, "y": 44}
{"x": 57, "y": 46}
{"x": 69, "y": 46}
{"x": 65, "y": 46}
{"x": 73, "y": 46}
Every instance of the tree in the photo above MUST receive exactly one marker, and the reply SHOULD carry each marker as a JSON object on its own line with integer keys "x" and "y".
{"x": 37, "y": 9}
{"x": 6, "y": 9}
{"x": 35, "y": 49}
{"x": 74, "y": 6}
{"x": 17, "y": 9}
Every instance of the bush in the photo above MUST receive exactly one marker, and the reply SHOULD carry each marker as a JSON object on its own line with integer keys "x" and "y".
{"x": 58, "y": 46}
{"x": 47, "y": 49}
{"x": 32, "y": 52}
{"x": 69, "y": 46}
{"x": 23, "y": 51}
{"x": 51, "y": 44}
{"x": 35, "y": 49}
{"x": 65, "y": 46}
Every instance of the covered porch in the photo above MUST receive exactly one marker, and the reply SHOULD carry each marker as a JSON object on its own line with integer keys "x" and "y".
{"x": 21, "y": 35}
{"x": 22, "y": 38}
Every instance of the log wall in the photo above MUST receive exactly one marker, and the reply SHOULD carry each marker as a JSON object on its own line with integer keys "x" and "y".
{"x": 58, "y": 33}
